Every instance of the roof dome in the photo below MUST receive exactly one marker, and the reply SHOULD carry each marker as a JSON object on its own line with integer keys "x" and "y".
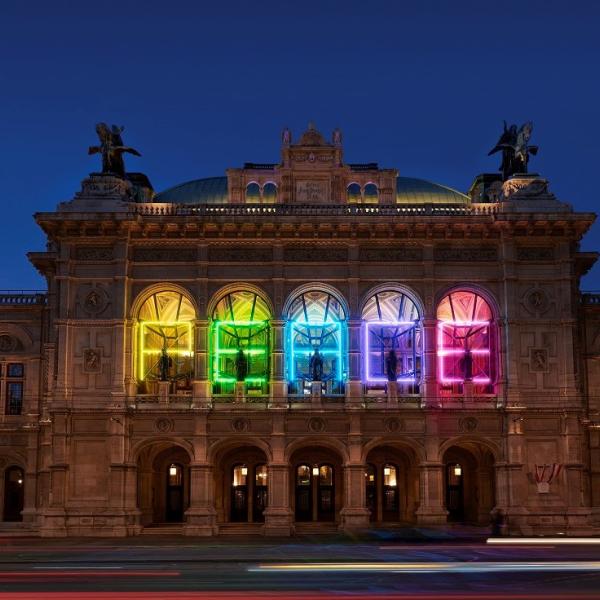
{"x": 213, "y": 190}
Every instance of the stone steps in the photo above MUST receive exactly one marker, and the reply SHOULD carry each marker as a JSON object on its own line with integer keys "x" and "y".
{"x": 163, "y": 529}
{"x": 241, "y": 528}
{"x": 316, "y": 528}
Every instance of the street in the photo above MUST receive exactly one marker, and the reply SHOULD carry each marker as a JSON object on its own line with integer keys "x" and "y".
{"x": 311, "y": 567}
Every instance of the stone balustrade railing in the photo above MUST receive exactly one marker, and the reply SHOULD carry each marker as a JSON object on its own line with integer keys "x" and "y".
{"x": 282, "y": 210}
{"x": 12, "y": 297}
{"x": 590, "y": 298}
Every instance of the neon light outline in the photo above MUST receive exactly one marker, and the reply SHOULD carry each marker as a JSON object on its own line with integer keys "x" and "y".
{"x": 367, "y": 351}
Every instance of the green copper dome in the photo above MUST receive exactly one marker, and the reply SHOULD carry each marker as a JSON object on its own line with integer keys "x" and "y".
{"x": 213, "y": 190}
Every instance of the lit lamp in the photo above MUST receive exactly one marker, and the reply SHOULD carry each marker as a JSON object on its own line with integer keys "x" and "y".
{"x": 172, "y": 470}
{"x": 315, "y": 471}
{"x": 457, "y": 470}
{"x": 19, "y": 481}
{"x": 244, "y": 470}
{"x": 386, "y": 471}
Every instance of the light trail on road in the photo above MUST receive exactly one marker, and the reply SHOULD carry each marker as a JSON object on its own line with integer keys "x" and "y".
{"x": 431, "y": 567}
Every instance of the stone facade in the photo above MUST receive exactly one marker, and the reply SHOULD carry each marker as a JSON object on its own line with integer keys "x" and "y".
{"x": 106, "y": 439}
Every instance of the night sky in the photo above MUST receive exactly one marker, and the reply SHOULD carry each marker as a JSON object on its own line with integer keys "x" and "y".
{"x": 200, "y": 87}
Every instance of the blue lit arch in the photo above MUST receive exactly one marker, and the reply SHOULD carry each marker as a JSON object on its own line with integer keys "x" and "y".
{"x": 316, "y": 319}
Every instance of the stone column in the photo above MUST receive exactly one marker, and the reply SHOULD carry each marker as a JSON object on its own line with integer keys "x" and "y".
{"x": 201, "y": 516}
{"x": 354, "y": 386}
{"x": 429, "y": 392}
{"x": 279, "y": 520}
{"x": 431, "y": 509}
{"x": 278, "y": 383}
{"x": 201, "y": 385}
{"x": 355, "y": 514}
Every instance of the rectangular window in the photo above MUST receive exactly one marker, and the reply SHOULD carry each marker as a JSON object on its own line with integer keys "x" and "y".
{"x": 13, "y": 385}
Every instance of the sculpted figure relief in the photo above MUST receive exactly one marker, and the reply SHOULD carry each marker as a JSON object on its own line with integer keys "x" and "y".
{"x": 112, "y": 149}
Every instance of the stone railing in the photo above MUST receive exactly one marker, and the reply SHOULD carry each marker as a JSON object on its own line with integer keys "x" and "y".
{"x": 22, "y": 297}
{"x": 154, "y": 402}
{"x": 282, "y": 210}
{"x": 590, "y": 298}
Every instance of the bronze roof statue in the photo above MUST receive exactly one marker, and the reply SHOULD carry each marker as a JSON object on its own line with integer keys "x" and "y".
{"x": 111, "y": 147}
{"x": 515, "y": 148}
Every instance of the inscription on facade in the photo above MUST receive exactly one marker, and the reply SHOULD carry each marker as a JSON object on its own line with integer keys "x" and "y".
{"x": 164, "y": 254}
{"x": 537, "y": 253}
{"x": 313, "y": 252}
{"x": 390, "y": 254}
{"x": 240, "y": 254}
{"x": 481, "y": 254}
{"x": 312, "y": 192}
{"x": 94, "y": 253}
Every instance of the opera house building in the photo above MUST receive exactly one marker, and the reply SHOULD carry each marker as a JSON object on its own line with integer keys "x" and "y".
{"x": 304, "y": 346}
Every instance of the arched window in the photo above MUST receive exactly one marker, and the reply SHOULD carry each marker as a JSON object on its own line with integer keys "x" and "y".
{"x": 166, "y": 339}
{"x": 354, "y": 195}
{"x": 316, "y": 342}
{"x": 240, "y": 341}
{"x": 253, "y": 193}
{"x": 392, "y": 341}
{"x": 269, "y": 195}
{"x": 466, "y": 343}
{"x": 371, "y": 194}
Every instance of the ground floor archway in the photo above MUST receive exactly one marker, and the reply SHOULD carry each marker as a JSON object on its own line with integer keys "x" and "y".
{"x": 392, "y": 484}
{"x": 163, "y": 483}
{"x": 316, "y": 485}
{"x": 14, "y": 487}
{"x": 242, "y": 482}
{"x": 469, "y": 483}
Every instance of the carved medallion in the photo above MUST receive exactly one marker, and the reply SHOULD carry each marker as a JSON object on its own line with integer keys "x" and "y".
{"x": 467, "y": 424}
{"x": 163, "y": 425}
{"x": 7, "y": 343}
{"x": 316, "y": 424}
{"x": 536, "y": 300}
{"x": 393, "y": 425}
{"x": 240, "y": 425}
{"x": 95, "y": 301}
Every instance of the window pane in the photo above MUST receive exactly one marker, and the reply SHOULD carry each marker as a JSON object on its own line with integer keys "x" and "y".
{"x": 14, "y": 398}
{"x": 240, "y": 474}
{"x": 261, "y": 475}
{"x": 175, "y": 475}
{"x": 389, "y": 476}
{"x": 303, "y": 475}
{"x": 15, "y": 370}
{"x": 325, "y": 475}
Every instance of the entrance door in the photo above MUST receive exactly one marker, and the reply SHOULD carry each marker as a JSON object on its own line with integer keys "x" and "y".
{"x": 174, "y": 503}
{"x": 14, "y": 479}
{"x": 371, "y": 489}
{"x": 260, "y": 493}
{"x": 304, "y": 493}
{"x": 390, "y": 493}
{"x": 326, "y": 494}
{"x": 454, "y": 492}
{"x": 239, "y": 494}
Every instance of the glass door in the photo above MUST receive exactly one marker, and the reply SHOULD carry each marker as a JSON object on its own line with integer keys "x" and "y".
{"x": 303, "y": 493}
{"x": 174, "y": 504}
{"x": 260, "y": 493}
{"x": 390, "y": 493}
{"x": 239, "y": 494}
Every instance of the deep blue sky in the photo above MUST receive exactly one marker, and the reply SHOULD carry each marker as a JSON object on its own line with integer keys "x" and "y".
{"x": 420, "y": 86}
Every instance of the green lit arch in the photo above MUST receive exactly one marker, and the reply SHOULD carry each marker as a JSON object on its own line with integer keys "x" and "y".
{"x": 240, "y": 320}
